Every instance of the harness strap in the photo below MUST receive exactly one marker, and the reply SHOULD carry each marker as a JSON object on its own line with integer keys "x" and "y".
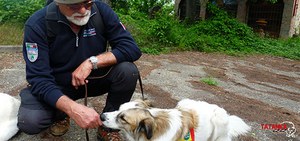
{"x": 51, "y": 22}
{"x": 190, "y": 136}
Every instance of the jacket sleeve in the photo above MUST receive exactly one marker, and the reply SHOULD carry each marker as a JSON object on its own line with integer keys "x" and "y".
{"x": 38, "y": 70}
{"x": 123, "y": 45}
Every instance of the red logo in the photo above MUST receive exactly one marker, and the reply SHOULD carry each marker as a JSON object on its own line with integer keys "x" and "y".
{"x": 286, "y": 127}
{"x": 275, "y": 127}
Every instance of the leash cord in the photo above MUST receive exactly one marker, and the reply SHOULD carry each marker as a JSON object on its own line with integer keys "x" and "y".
{"x": 141, "y": 87}
{"x": 85, "y": 103}
{"x": 86, "y": 95}
{"x": 98, "y": 77}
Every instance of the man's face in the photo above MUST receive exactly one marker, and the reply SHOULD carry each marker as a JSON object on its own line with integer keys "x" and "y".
{"x": 78, "y": 13}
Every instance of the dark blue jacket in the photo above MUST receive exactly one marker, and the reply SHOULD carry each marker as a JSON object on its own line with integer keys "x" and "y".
{"x": 49, "y": 66}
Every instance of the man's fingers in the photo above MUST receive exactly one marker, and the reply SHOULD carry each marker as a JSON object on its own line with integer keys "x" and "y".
{"x": 81, "y": 82}
{"x": 74, "y": 83}
{"x": 78, "y": 81}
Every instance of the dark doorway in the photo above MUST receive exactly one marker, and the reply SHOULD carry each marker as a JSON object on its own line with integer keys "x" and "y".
{"x": 265, "y": 17}
{"x": 189, "y": 10}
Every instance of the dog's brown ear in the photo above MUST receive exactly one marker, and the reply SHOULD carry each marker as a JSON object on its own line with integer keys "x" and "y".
{"x": 145, "y": 103}
{"x": 146, "y": 127}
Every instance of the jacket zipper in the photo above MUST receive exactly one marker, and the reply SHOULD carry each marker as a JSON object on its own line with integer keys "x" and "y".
{"x": 77, "y": 38}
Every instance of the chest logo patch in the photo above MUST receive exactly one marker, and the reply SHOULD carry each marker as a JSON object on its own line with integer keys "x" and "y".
{"x": 32, "y": 51}
{"x": 89, "y": 32}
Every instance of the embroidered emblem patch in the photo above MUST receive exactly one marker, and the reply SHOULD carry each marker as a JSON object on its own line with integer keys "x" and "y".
{"x": 89, "y": 32}
{"x": 32, "y": 51}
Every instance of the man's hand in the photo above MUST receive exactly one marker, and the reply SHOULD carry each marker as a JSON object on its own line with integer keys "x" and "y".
{"x": 83, "y": 116}
{"x": 81, "y": 73}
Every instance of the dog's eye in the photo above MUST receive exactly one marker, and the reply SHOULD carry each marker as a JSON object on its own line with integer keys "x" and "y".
{"x": 122, "y": 118}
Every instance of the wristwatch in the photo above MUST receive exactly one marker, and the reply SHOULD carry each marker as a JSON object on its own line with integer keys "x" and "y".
{"x": 94, "y": 61}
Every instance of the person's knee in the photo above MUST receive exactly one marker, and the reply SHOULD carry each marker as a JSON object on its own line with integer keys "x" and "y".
{"x": 124, "y": 77}
{"x": 33, "y": 121}
{"x": 127, "y": 69}
{"x": 33, "y": 116}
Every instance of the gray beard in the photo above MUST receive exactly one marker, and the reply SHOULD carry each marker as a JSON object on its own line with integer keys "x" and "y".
{"x": 81, "y": 21}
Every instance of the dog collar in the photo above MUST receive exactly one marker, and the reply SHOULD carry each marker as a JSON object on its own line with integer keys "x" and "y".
{"x": 190, "y": 136}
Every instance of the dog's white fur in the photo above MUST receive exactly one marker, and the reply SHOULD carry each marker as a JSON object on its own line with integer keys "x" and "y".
{"x": 142, "y": 123}
{"x": 8, "y": 116}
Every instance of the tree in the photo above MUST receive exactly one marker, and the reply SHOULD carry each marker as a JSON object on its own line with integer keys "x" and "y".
{"x": 203, "y": 4}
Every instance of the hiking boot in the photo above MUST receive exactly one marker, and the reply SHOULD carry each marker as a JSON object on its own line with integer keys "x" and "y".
{"x": 105, "y": 134}
{"x": 60, "y": 127}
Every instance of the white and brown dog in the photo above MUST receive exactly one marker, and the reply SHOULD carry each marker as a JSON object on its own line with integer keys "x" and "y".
{"x": 189, "y": 120}
{"x": 8, "y": 116}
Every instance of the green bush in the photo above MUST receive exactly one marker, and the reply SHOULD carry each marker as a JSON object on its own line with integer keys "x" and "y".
{"x": 18, "y": 11}
{"x": 219, "y": 33}
{"x": 164, "y": 33}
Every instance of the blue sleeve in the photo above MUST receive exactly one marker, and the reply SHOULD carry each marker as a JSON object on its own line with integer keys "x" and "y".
{"x": 38, "y": 70}
{"x": 123, "y": 45}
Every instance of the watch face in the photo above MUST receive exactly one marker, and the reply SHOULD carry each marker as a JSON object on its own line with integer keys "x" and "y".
{"x": 94, "y": 61}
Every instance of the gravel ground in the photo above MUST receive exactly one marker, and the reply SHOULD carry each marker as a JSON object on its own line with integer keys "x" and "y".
{"x": 259, "y": 89}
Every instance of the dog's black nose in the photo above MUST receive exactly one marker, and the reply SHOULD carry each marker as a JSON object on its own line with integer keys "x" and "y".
{"x": 102, "y": 117}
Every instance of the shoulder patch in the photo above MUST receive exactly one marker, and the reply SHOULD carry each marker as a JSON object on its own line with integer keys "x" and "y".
{"x": 32, "y": 51}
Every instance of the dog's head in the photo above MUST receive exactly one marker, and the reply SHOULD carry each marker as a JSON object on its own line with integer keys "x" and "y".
{"x": 135, "y": 121}
{"x": 132, "y": 117}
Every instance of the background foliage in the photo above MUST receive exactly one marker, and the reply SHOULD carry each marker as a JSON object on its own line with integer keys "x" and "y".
{"x": 163, "y": 32}
{"x": 142, "y": 6}
{"x": 18, "y": 10}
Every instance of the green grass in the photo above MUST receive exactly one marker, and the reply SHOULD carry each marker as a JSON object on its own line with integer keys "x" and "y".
{"x": 209, "y": 81}
{"x": 11, "y": 34}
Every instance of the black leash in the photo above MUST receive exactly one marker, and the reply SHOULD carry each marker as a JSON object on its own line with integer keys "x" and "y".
{"x": 141, "y": 86}
{"x": 85, "y": 103}
{"x": 86, "y": 94}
